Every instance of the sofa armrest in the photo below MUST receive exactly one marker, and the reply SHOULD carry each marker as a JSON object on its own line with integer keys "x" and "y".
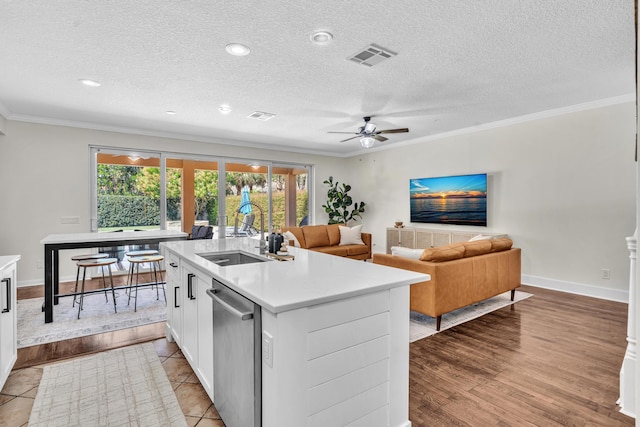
{"x": 404, "y": 263}
{"x": 366, "y": 238}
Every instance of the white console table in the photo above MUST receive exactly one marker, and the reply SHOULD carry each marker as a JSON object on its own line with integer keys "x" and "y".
{"x": 420, "y": 238}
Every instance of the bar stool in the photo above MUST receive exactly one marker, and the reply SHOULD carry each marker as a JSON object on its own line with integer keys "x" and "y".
{"x": 102, "y": 263}
{"x": 83, "y": 257}
{"x": 154, "y": 260}
{"x": 137, "y": 253}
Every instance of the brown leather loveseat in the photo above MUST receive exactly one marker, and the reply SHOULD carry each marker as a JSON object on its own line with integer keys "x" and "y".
{"x": 326, "y": 239}
{"x": 461, "y": 274}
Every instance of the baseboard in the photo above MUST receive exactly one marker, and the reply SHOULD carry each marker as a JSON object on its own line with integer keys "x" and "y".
{"x": 576, "y": 288}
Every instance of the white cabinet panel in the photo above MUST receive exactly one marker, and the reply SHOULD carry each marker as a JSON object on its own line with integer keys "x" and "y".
{"x": 205, "y": 334}
{"x": 8, "y": 319}
{"x": 189, "y": 309}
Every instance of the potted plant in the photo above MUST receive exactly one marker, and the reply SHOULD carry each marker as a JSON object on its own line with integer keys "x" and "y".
{"x": 339, "y": 203}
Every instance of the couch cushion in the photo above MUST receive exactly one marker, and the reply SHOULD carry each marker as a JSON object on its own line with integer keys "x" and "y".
{"x": 406, "y": 252}
{"x": 290, "y": 237}
{"x": 333, "y": 250}
{"x": 297, "y": 232}
{"x": 478, "y": 247}
{"x": 502, "y": 244}
{"x": 356, "y": 249}
{"x": 333, "y": 230}
{"x": 315, "y": 235}
{"x": 351, "y": 236}
{"x": 443, "y": 253}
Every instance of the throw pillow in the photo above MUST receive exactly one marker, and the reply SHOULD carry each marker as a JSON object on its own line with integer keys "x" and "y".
{"x": 351, "y": 236}
{"x": 289, "y": 236}
{"x": 480, "y": 237}
{"x": 406, "y": 252}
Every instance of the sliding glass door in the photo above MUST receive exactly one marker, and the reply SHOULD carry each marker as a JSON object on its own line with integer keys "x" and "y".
{"x": 145, "y": 190}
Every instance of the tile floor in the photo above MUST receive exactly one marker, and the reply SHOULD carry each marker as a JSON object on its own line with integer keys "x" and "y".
{"x": 19, "y": 392}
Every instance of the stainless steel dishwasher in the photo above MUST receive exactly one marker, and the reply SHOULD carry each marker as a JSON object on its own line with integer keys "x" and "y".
{"x": 237, "y": 363}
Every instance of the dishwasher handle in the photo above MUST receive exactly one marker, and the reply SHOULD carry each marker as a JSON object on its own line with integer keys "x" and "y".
{"x": 243, "y": 315}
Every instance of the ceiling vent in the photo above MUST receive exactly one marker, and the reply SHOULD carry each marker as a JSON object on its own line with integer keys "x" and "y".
{"x": 372, "y": 55}
{"x": 260, "y": 115}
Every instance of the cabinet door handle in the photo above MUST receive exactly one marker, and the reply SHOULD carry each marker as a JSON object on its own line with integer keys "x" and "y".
{"x": 190, "y": 277}
{"x": 7, "y": 281}
{"x": 173, "y": 264}
{"x": 175, "y": 297}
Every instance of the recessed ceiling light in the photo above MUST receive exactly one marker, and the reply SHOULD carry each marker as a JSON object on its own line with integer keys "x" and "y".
{"x": 320, "y": 37}
{"x": 171, "y": 113}
{"x": 89, "y": 82}
{"x": 237, "y": 49}
{"x": 224, "y": 109}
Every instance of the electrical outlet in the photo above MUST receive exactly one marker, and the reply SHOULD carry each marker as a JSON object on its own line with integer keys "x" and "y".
{"x": 39, "y": 264}
{"x": 267, "y": 348}
{"x": 69, "y": 220}
{"x": 606, "y": 273}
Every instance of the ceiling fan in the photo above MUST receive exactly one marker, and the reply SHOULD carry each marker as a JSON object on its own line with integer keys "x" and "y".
{"x": 368, "y": 133}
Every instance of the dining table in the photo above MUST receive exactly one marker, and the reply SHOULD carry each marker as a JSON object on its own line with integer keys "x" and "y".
{"x": 54, "y": 243}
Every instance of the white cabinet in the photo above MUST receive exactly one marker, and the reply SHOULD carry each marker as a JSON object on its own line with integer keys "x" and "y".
{"x": 205, "y": 334}
{"x": 174, "y": 297}
{"x": 190, "y": 317}
{"x": 420, "y": 238}
{"x": 189, "y": 308}
{"x": 8, "y": 319}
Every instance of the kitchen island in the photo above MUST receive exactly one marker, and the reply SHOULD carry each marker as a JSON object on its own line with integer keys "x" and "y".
{"x": 333, "y": 341}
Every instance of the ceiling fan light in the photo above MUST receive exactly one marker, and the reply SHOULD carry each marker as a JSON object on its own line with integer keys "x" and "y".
{"x": 367, "y": 142}
{"x": 369, "y": 127}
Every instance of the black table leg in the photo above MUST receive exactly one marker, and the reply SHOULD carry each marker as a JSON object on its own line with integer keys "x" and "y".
{"x": 56, "y": 275}
{"x": 48, "y": 284}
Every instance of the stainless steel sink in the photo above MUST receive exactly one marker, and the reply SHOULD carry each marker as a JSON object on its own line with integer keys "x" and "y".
{"x": 227, "y": 258}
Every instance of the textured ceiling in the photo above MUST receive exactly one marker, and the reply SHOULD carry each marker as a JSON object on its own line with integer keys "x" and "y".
{"x": 460, "y": 63}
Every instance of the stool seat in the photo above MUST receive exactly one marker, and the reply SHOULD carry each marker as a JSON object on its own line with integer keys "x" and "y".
{"x": 100, "y": 262}
{"x": 142, "y": 252}
{"x": 134, "y": 262}
{"x": 97, "y": 262}
{"x": 88, "y": 256}
{"x": 146, "y": 258}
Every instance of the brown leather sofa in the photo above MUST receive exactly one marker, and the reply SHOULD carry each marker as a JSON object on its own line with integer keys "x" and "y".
{"x": 461, "y": 274}
{"x": 326, "y": 239}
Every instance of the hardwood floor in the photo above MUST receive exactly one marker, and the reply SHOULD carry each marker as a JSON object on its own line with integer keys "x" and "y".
{"x": 551, "y": 360}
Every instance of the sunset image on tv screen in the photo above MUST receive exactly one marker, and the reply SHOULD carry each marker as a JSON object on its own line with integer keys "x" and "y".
{"x": 458, "y": 200}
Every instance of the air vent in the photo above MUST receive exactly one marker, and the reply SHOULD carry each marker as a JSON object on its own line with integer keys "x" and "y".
{"x": 260, "y": 115}
{"x": 372, "y": 55}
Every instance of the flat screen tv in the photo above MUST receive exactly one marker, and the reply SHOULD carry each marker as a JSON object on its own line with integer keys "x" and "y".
{"x": 460, "y": 200}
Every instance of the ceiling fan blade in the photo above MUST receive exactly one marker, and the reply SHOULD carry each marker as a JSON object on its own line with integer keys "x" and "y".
{"x": 350, "y": 133}
{"x": 349, "y": 139}
{"x": 401, "y": 130}
{"x": 379, "y": 138}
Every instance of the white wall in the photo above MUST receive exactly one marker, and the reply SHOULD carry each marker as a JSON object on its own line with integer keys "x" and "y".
{"x": 562, "y": 187}
{"x": 44, "y": 175}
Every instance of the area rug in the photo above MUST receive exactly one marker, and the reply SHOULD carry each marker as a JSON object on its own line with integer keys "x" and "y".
{"x": 422, "y": 326}
{"x": 123, "y": 387}
{"x": 96, "y": 317}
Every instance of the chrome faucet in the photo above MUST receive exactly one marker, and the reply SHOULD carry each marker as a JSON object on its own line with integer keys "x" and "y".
{"x": 263, "y": 244}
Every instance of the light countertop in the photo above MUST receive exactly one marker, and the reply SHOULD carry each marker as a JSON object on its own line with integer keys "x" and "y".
{"x": 312, "y": 278}
{"x": 111, "y": 236}
{"x": 7, "y": 260}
